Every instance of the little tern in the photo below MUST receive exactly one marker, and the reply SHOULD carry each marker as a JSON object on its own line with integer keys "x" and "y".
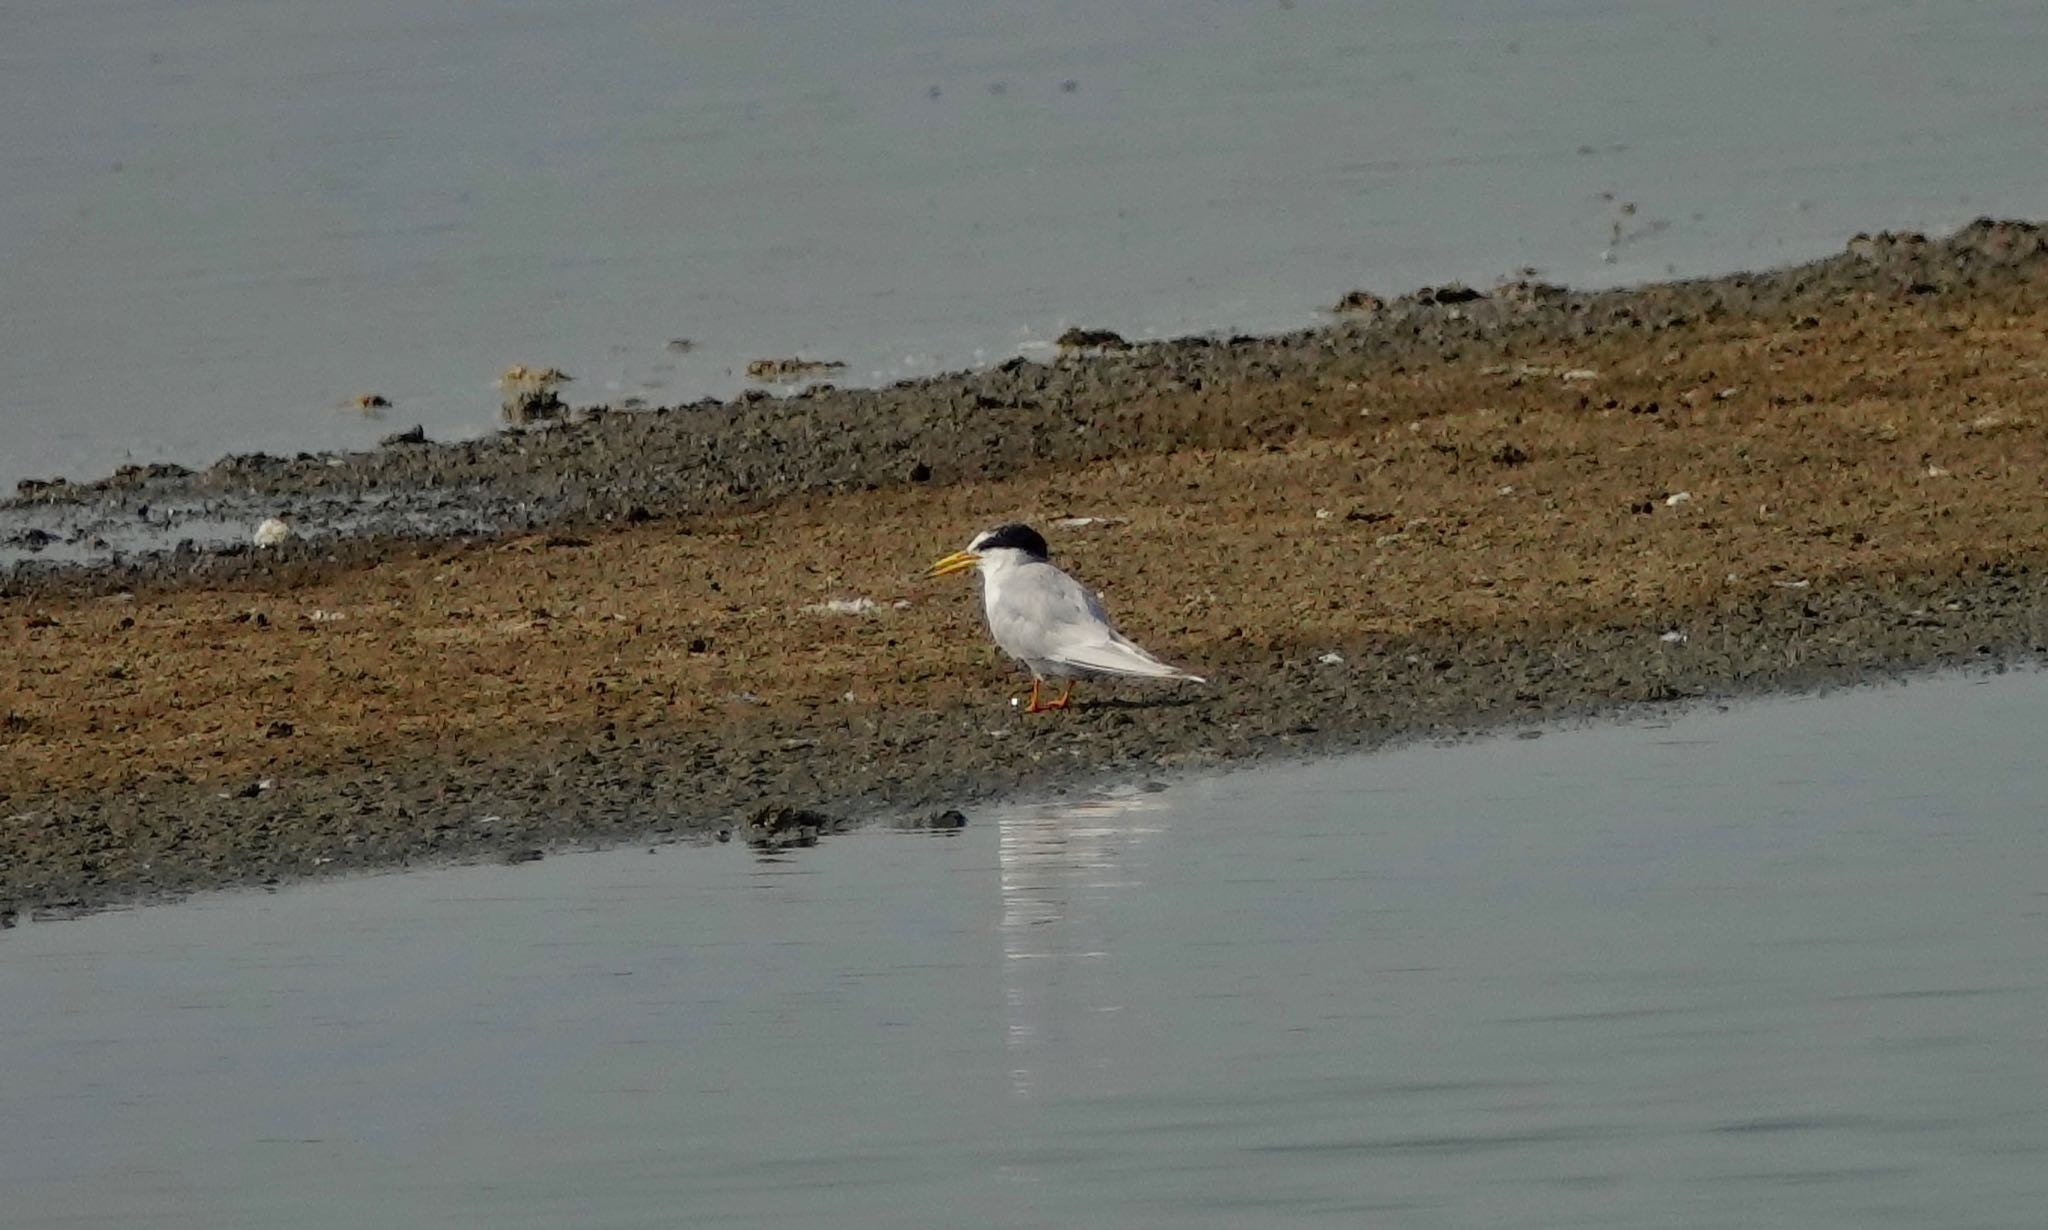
{"x": 1046, "y": 619}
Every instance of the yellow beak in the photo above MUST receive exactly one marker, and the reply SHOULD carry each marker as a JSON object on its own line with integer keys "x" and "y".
{"x": 958, "y": 561}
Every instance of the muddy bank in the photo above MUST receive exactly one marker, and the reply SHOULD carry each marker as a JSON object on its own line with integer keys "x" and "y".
{"x": 886, "y": 761}
{"x": 1528, "y": 509}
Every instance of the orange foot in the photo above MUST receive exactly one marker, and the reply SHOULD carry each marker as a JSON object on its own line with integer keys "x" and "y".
{"x": 1036, "y": 706}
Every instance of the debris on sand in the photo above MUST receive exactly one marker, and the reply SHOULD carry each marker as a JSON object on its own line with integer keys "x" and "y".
{"x": 1454, "y": 292}
{"x": 943, "y": 821}
{"x": 843, "y": 606}
{"x": 1359, "y": 303}
{"x": 370, "y": 403}
{"x": 532, "y": 394}
{"x": 781, "y": 826}
{"x": 791, "y": 370}
{"x": 520, "y": 376}
{"x": 534, "y": 406}
{"x": 33, "y": 538}
{"x": 1527, "y": 292}
{"x": 1098, "y": 341}
{"x": 272, "y": 532}
{"x": 1987, "y": 424}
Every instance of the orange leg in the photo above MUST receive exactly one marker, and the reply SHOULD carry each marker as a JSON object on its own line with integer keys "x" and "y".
{"x": 1047, "y": 706}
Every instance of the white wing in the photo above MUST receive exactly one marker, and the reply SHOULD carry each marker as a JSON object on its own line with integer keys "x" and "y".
{"x": 1040, "y": 614}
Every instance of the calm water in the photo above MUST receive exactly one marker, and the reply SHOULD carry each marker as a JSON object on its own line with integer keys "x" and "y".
{"x": 219, "y": 221}
{"x": 1775, "y": 966}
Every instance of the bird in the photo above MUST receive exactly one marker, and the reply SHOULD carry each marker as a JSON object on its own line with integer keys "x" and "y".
{"x": 1046, "y": 619}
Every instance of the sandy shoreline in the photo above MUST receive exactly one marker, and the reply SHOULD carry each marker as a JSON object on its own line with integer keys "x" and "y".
{"x": 1443, "y": 516}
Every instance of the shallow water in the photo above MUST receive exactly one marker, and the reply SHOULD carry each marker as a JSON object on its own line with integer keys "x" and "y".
{"x": 219, "y": 223}
{"x": 1778, "y": 965}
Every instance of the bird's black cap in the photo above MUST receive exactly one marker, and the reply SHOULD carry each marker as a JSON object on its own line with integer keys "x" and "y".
{"x": 1017, "y": 536}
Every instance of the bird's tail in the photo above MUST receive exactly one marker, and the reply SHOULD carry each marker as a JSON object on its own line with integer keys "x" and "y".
{"x": 1121, "y": 657}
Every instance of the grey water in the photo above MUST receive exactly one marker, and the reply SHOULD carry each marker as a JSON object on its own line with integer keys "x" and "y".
{"x": 220, "y": 222}
{"x": 1778, "y": 964}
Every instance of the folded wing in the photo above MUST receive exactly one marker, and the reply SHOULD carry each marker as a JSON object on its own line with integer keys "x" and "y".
{"x": 1044, "y": 615}
{"x": 1118, "y": 656}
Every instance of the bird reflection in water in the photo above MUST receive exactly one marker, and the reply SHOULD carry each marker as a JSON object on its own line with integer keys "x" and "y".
{"x": 1061, "y": 866}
